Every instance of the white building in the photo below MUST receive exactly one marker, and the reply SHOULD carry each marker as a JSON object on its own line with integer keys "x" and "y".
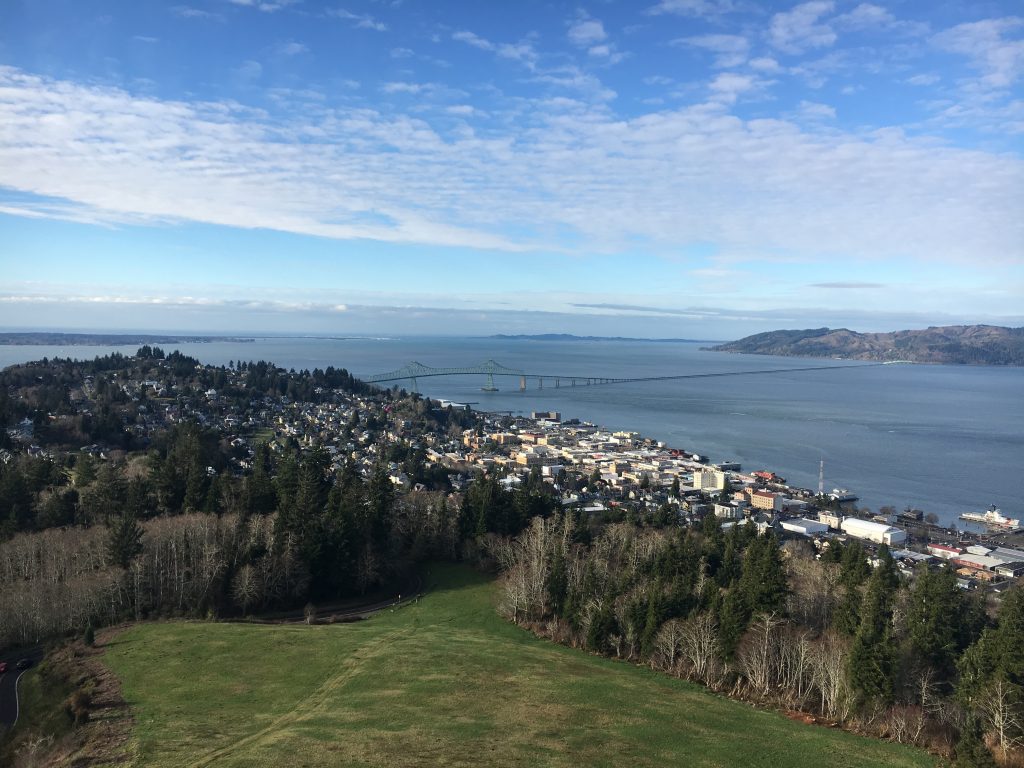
{"x": 804, "y": 527}
{"x": 872, "y": 531}
{"x": 708, "y": 479}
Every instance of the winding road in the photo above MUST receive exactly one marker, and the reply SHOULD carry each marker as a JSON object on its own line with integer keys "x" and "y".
{"x": 9, "y": 685}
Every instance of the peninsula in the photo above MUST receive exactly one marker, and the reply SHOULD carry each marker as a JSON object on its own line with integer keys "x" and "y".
{"x": 952, "y": 344}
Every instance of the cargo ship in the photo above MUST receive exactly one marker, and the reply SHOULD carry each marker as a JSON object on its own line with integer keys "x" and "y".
{"x": 993, "y": 518}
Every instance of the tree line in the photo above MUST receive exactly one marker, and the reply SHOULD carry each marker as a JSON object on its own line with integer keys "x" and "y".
{"x": 290, "y": 533}
{"x": 915, "y": 660}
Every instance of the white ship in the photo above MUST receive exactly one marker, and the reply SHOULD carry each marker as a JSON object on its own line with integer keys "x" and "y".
{"x": 993, "y": 518}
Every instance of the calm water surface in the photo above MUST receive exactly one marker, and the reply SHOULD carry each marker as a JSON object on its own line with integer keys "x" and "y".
{"x": 946, "y": 439}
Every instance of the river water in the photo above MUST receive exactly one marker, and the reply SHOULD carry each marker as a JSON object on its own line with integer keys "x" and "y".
{"x": 945, "y": 439}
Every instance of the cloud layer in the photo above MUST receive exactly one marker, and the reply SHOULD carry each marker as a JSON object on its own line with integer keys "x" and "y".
{"x": 563, "y": 175}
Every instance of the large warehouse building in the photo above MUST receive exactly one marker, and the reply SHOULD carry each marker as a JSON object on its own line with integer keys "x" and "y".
{"x": 872, "y": 531}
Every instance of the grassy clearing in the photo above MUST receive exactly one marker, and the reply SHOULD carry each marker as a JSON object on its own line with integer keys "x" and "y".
{"x": 445, "y": 681}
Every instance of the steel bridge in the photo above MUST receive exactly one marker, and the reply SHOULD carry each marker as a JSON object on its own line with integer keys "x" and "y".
{"x": 413, "y": 371}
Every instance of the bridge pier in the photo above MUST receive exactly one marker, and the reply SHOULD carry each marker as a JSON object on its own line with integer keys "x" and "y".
{"x": 522, "y": 383}
{"x": 540, "y": 384}
{"x": 557, "y": 383}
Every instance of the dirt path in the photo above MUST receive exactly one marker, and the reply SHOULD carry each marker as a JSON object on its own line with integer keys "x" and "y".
{"x": 315, "y": 702}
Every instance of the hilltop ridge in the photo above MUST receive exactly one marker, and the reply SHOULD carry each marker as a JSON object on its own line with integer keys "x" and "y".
{"x": 951, "y": 344}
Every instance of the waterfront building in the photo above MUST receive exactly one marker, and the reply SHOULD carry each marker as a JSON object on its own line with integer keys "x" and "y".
{"x": 872, "y": 531}
{"x": 804, "y": 527}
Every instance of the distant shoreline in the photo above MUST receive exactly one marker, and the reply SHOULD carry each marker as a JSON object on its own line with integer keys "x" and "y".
{"x": 26, "y": 339}
{"x": 571, "y": 337}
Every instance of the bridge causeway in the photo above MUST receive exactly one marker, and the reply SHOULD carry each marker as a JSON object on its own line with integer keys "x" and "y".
{"x": 415, "y": 370}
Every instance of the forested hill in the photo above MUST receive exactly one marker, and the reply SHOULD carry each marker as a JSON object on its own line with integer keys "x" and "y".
{"x": 955, "y": 344}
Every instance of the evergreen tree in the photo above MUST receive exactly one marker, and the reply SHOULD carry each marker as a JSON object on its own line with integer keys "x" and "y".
{"x": 971, "y": 751}
{"x": 854, "y": 571}
{"x": 872, "y": 661}
{"x": 763, "y": 581}
{"x": 933, "y": 619}
{"x": 733, "y": 616}
{"x": 124, "y": 538}
{"x": 557, "y": 585}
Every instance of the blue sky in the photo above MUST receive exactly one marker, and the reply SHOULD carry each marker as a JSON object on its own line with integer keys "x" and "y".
{"x": 699, "y": 168}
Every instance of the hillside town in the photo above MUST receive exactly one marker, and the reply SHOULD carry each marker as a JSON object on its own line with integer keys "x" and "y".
{"x": 601, "y": 474}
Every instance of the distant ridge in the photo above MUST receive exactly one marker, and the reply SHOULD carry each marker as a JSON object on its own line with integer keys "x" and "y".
{"x": 571, "y": 337}
{"x": 951, "y": 344}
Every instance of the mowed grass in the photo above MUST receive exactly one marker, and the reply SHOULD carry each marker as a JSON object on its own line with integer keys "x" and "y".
{"x": 442, "y": 682}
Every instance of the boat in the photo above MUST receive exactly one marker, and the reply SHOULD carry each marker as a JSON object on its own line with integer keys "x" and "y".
{"x": 994, "y": 518}
{"x": 488, "y": 389}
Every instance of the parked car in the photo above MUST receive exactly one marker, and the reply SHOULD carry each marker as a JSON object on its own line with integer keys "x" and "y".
{"x": 3, "y": 667}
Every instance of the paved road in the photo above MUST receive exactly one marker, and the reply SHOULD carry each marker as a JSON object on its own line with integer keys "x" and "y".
{"x": 9, "y": 685}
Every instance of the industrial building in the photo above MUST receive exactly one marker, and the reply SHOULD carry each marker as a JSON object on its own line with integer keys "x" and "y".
{"x": 804, "y": 527}
{"x": 872, "y": 531}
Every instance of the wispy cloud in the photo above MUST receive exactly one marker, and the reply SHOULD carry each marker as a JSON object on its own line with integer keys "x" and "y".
{"x": 812, "y": 110}
{"x": 586, "y": 31}
{"x": 727, "y": 87}
{"x": 360, "y": 20}
{"x": 522, "y": 51}
{"x": 267, "y": 6}
{"x": 563, "y": 175}
{"x": 188, "y": 12}
{"x": 731, "y": 50}
{"x": 995, "y": 47}
{"x": 291, "y": 48}
{"x": 697, "y": 8}
{"x": 802, "y": 28}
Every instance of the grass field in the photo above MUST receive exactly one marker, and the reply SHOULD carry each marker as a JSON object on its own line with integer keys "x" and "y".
{"x": 442, "y": 682}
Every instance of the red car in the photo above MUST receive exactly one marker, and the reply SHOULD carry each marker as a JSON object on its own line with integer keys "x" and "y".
{"x": 3, "y": 667}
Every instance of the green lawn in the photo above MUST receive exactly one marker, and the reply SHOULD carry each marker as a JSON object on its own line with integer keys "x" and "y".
{"x": 442, "y": 682}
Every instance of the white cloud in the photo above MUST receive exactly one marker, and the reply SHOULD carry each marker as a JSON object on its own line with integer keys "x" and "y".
{"x": 362, "y": 20}
{"x": 800, "y": 29}
{"x": 728, "y": 86}
{"x": 865, "y": 16}
{"x": 698, "y": 8}
{"x": 188, "y": 12}
{"x": 267, "y": 6}
{"x": 697, "y": 174}
{"x": 522, "y": 52}
{"x": 812, "y": 110}
{"x": 401, "y": 87}
{"x": 732, "y": 50}
{"x": 990, "y": 47}
{"x": 291, "y": 48}
{"x": 146, "y": 39}
{"x": 765, "y": 64}
{"x": 585, "y": 32}
{"x": 249, "y": 70}
{"x": 924, "y": 79}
